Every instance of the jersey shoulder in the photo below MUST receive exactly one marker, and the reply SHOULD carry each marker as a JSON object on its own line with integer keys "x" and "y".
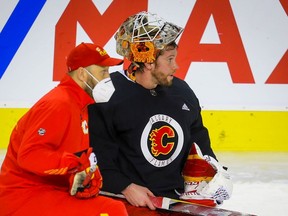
{"x": 124, "y": 87}
{"x": 182, "y": 88}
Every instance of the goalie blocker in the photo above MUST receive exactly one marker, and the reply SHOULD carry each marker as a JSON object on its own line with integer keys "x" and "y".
{"x": 206, "y": 182}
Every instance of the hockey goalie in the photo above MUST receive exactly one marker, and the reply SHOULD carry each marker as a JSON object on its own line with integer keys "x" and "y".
{"x": 206, "y": 182}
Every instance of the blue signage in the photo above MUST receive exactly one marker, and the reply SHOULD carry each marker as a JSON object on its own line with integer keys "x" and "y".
{"x": 16, "y": 29}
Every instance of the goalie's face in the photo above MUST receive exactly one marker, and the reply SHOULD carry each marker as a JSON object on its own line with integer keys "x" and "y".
{"x": 165, "y": 67}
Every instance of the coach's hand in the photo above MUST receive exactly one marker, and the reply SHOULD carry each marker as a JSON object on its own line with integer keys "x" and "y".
{"x": 86, "y": 182}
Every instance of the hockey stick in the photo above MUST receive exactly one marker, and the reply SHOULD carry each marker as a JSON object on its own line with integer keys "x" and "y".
{"x": 192, "y": 209}
{"x": 105, "y": 193}
{"x": 180, "y": 206}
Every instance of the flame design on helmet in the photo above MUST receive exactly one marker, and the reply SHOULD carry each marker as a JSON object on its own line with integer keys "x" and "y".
{"x": 142, "y": 35}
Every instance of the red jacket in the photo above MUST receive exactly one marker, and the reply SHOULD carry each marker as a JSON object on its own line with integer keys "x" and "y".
{"x": 43, "y": 141}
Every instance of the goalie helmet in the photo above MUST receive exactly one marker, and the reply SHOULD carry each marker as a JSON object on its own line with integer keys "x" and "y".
{"x": 142, "y": 35}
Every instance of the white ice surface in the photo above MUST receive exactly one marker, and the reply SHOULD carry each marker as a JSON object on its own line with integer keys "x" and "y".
{"x": 260, "y": 182}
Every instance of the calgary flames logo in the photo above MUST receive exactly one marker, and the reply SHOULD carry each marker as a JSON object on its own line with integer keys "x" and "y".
{"x": 161, "y": 140}
{"x": 157, "y": 145}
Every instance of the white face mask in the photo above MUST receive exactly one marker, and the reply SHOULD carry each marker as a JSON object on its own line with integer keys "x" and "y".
{"x": 103, "y": 91}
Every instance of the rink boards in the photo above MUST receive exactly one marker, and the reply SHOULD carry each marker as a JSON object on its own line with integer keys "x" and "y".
{"x": 229, "y": 130}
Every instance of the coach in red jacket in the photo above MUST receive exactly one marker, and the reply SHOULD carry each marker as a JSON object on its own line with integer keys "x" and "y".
{"x": 49, "y": 168}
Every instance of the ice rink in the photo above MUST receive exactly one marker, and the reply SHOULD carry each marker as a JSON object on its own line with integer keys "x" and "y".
{"x": 260, "y": 182}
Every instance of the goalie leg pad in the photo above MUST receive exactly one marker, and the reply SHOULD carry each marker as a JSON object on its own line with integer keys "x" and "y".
{"x": 220, "y": 187}
{"x": 205, "y": 179}
{"x": 193, "y": 194}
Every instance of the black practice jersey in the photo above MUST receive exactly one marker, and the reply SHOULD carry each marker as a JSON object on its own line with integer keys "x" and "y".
{"x": 143, "y": 136}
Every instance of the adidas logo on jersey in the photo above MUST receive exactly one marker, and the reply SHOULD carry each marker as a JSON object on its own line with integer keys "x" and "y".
{"x": 185, "y": 107}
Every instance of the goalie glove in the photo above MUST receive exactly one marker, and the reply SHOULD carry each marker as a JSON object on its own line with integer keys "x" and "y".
{"x": 87, "y": 181}
{"x": 206, "y": 182}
